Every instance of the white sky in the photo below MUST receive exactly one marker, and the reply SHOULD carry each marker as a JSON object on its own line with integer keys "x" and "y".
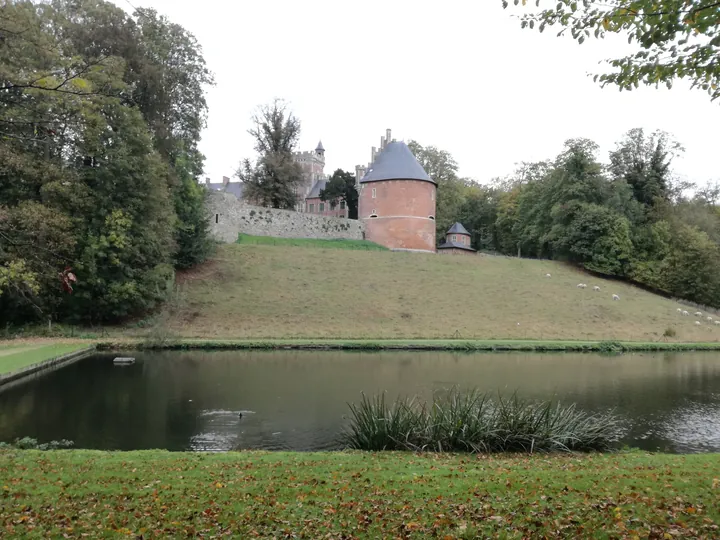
{"x": 458, "y": 74}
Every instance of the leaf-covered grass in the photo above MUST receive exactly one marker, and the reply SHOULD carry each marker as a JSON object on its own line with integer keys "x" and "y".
{"x": 160, "y": 494}
{"x": 310, "y": 242}
{"x": 269, "y": 292}
{"x": 17, "y": 356}
{"x": 474, "y": 422}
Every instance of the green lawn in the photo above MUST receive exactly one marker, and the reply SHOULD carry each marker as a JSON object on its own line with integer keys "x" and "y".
{"x": 157, "y": 494}
{"x": 310, "y": 242}
{"x": 288, "y": 292}
{"x": 18, "y": 356}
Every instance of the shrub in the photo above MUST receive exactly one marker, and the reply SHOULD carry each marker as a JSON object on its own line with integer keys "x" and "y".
{"x": 472, "y": 422}
{"x": 28, "y": 443}
{"x": 670, "y": 332}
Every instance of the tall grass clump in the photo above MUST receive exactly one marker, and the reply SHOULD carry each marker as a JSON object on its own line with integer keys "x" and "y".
{"x": 473, "y": 422}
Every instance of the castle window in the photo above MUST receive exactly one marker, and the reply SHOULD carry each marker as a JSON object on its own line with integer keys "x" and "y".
{"x": 374, "y": 193}
{"x": 322, "y": 207}
{"x": 216, "y": 217}
{"x": 432, "y": 195}
{"x": 454, "y": 238}
{"x": 332, "y": 205}
{"x": 312, "y": 208}
{"x": 373, "y": 213}
{"x": 431, "y": 217}
{"x": 342, "y": 205}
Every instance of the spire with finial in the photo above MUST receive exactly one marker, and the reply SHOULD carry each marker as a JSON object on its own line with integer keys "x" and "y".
{"x": 320, "y": 150}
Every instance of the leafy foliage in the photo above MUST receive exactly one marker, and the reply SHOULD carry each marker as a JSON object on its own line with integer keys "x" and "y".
{"x": 341, "y": 187}
{"x": 273, "y": 180}
{"x": 676, "y": 38}
{"x": 100, "y": 116}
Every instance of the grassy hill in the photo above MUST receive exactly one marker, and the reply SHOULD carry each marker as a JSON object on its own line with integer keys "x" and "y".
{"x": 304, "y": 291}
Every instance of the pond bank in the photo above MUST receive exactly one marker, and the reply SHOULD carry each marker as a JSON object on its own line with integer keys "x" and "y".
{"x": 409, "y": 344}
{"x": 19, "y": 361}
{"x": 386, "y": 494}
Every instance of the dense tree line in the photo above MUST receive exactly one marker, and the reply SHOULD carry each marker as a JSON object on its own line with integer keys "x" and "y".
{"x": 629, "y": 218}
{"x": 100, "y": 118}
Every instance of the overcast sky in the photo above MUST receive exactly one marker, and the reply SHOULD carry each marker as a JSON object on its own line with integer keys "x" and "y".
{"x": 458, "y": 74}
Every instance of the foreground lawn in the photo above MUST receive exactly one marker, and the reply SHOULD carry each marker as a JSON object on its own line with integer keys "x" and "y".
{"x": 18, "y": 356}
{"x": 347, "y": 495}
{"x": 266, "y": 291}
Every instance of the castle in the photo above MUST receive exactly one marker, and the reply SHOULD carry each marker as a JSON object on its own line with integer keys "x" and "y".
{"x": 396, "y": 196}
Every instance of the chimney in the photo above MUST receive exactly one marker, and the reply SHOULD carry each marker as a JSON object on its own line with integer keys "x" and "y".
{"x": 207, "y": 180}
{"x": 382, "y": 143}
{"x": 387, "y": 136}
{"x": 226, "y": 180}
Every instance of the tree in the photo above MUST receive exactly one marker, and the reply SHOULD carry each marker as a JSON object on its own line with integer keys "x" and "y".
{"x": 273, "y": 180}
{"x": 341, "y": 187}
{"x": 442, "y": 167}
{"x": 644, "y": 163}
{"x": 677, "y": 38}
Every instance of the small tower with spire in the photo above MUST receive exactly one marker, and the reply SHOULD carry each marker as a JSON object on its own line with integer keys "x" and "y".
{"x": 320, "y": 151}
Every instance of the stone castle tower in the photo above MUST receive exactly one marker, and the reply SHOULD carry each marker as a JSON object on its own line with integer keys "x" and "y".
{"x": 313, "y": 167}
{"x": 397, "y": 199}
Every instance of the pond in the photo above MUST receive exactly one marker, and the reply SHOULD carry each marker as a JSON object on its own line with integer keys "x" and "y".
{"x": 297, "y": 400}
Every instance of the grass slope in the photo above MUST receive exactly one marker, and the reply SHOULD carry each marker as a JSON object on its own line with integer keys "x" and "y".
{"x": 365, "y": 245}
{"x": 258, "y": 291}
{"x": 157, "y": 494}
{"x": 17, "y": 356}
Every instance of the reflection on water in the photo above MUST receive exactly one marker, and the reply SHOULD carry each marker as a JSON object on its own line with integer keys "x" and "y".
{"x": 298, "y": 399}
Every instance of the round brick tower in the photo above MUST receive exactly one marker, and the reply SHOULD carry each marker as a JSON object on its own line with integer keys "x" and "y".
{"x": 397, "y": 201}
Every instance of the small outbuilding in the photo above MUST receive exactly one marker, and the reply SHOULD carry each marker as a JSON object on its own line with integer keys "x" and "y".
{"x": 457, "y": 241}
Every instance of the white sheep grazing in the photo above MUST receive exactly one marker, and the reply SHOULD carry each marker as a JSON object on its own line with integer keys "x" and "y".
{"x": 581, "y": 286}
{"x": 679, "y": 310}
{"x": 709, "y": 318}
{"x": 616, "y": 297}
{"x": 685, "y": 314}
{"x": 717, "y": 322}
{"x": 548, "y": 275}
{"x": 697, "y": 323}
{"x": 596, "y": 288}
{"x": 698, "y": 313}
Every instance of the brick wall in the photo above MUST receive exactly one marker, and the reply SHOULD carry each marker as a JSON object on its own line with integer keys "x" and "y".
{"x": 405, "y": 210}
{"x": 230, "y": 216}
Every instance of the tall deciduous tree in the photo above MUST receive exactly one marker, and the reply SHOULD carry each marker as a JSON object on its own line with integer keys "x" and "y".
{"x": 677, "y": 38}
{"x": 442, "y": 167}
{"x": 273, "y": 180}
{"x": 644, "y": 163}
{"x": 341, "y": 187}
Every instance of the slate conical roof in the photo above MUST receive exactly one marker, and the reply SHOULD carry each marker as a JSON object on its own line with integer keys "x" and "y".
{"x": 395, "y": 162}
{"x": 458, "y": 229}
{"x": 320, "y": 147}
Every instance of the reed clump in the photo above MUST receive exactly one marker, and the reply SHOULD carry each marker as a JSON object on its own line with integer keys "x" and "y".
{"x": 474, "y": 422}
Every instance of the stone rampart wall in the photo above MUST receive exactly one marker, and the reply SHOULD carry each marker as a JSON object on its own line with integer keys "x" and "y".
{"x": 230, "y": 216}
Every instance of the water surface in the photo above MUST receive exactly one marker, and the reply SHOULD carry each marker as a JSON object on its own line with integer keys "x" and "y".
{"x": 297, "y": 400}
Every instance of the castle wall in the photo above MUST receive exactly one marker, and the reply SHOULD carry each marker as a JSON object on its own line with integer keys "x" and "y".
{"x": 405, "y": 211}
{"x": 230, "y": 216}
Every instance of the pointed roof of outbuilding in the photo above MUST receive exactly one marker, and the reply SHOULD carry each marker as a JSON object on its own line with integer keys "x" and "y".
{"x": 458, "y": 229}
{"x": 320, "y": 147}
{"x": 395, "y": 162}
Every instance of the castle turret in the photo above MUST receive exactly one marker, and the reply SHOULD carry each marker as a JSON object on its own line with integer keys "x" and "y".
{"x": 457, "y": 240}
{"x": 397, "y": 200}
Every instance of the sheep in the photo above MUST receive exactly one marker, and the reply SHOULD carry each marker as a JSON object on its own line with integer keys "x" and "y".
{"x": 717, "y": 322}
{"x": 616, "y": 297}
{"x": 697, "y": 323}
{"x": 596, "y": 288}
{"x": 581, "y": 285}
{"x": 685, "y": 314}
{"x": 548, "y": 275}
{"x": 698, "y": 313}
{"x": 679, "y": 310}
{"x": 709, "y": 318}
